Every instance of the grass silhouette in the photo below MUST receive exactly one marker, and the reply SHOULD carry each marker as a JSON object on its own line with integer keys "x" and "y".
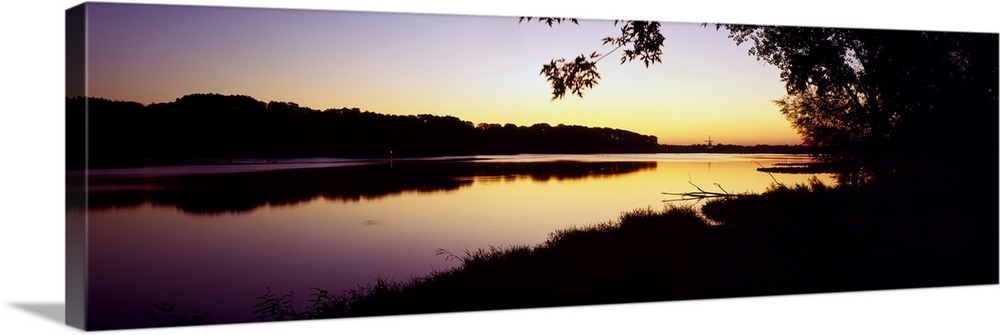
{"x": 806, "y": 238}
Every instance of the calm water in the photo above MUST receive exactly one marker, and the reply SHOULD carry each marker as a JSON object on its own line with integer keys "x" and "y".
{"x": 214, "y": 237}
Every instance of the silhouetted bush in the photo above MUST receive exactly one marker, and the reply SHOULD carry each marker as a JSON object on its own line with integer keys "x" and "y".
{"x": 797, "y": 239}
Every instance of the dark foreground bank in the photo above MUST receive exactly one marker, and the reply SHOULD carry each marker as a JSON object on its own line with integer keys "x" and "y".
{"x": 788, "y": 240}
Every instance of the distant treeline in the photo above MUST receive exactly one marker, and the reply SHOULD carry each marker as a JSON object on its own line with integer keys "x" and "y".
{"x": 740, "y": 149}
{"x": 236, "y": 126}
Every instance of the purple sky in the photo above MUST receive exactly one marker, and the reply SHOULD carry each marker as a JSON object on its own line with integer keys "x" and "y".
{"x": 478, "y": 68}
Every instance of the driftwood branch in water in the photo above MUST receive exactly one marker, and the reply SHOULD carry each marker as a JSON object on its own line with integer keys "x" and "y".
{"x": 701, "y": 194}
{"x": 763, "y": 169}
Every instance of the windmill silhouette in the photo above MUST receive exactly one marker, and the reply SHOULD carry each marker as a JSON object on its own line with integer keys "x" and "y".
{"x": 709, "y": 141}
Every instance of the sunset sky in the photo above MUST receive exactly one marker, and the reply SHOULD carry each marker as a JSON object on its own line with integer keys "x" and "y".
{"x": 477, "y": 68}
{"x": 33, "y": 140}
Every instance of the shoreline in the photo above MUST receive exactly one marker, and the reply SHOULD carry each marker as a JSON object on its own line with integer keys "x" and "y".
{"x": 787, "y": 240}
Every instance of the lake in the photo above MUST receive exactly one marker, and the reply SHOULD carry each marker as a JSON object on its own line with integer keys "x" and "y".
{"x": 214, "y": 237}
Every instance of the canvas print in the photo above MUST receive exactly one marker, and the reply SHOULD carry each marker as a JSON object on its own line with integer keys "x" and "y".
{"x": 234, "y": 165}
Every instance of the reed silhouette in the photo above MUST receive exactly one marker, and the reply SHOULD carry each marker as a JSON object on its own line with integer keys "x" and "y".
{"x": 807, "y": 238}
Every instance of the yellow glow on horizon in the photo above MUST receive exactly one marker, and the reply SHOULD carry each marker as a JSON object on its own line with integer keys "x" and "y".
{"x": 482, "y": 70}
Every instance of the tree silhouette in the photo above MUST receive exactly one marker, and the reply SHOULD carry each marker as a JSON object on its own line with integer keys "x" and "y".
{"x": 868, "y": 97}
{"x": 867, "y": 94}
{"x": 641, "y": 39}
{"x": 236, "y": 127}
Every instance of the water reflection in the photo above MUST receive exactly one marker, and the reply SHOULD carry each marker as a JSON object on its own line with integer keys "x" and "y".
{"x": 336, "y": 228}
{"x": 241, "y": 192}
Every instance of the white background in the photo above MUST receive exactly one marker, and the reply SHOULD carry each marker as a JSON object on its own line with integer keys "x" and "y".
{"x": 31, "y": 186}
